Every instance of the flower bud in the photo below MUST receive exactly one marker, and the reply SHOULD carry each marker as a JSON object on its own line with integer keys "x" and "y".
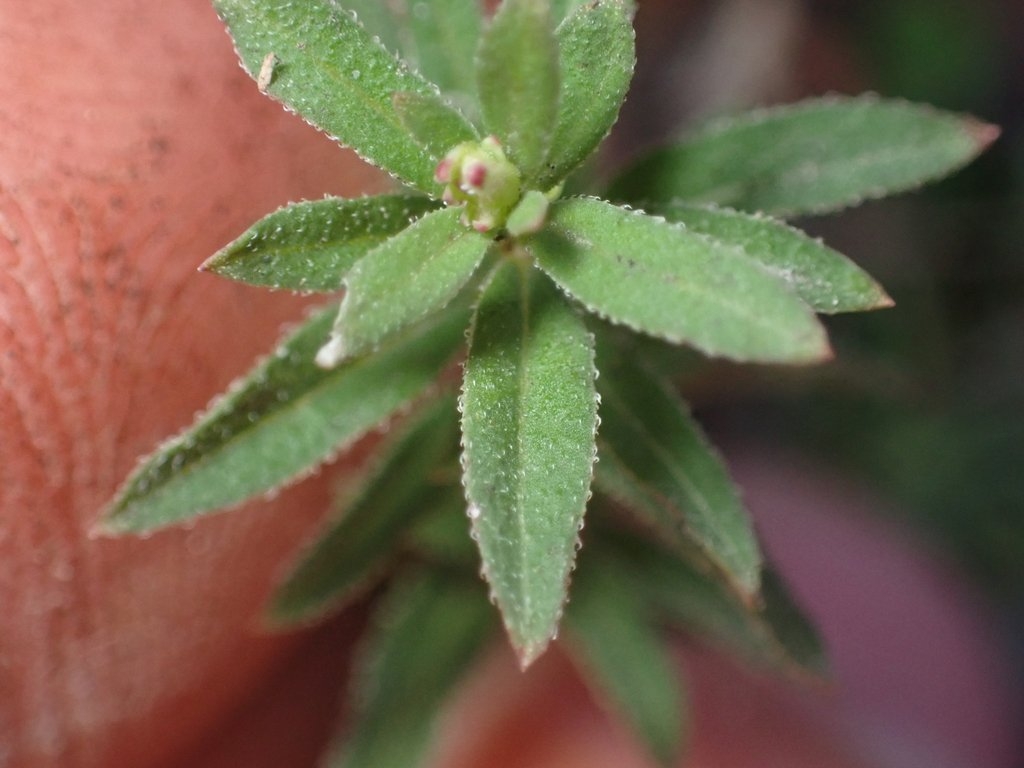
{"x": 480, "y": 177}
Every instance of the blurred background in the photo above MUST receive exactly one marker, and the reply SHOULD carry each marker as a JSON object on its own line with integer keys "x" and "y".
{"x": 924, "y": 403}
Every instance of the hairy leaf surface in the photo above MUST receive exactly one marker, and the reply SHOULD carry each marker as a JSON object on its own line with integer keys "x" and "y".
{"x": 416, "y": 272}
{"x": 334, "y": 74}
{"x": 384, "y": 20}
{"x": 528, "y": 421}
{"x": 433, "y": 122}
{"x": 664, "y": 280}
{"x": 825, "y": 279}
{"x": 285, "y": 417}
{"x": 311, "y": 246}
{"x": 596, "y": 51}
{"x": 436, "y": 38}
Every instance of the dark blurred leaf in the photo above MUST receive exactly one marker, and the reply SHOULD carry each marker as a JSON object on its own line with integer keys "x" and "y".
{"x": 813, "y": 157}
{"x": 623, "y": 659}
{"x": 657, "y": 462}
{"x": 427, "y": 635}
{"x": 353, "y": 548}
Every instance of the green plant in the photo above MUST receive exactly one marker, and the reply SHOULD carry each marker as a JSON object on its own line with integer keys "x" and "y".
{"x": 553, "y": 289}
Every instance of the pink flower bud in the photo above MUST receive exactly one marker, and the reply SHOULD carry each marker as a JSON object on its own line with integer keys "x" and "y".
{"x": 475, "y": 174}
{"x": 443, "y": 172}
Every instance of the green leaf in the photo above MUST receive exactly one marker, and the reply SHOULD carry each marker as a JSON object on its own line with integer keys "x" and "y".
{"x": 383, "y": 21}
{"x": 427, "y": 635}
{"x": 351, "y": 552}
{"x": 528, "y": 421}
{"x": 311, "y": 246}
{"x": 596, "y": 48}
{"x": 517, "y": 80}
{"x": 825, "y": 279}
{"x": 435, "y": 124}
{"x": 656, "y": 460}
{"x": 285, "y": 417}
{"x": 415, "y": 273}
{"x": 331, "y": 71}
{"x": 661, "y": 279}
{"x": 444, "y": 35}
{"x": 437, "y": 38}
{"x": 529, "y": 214}
{"x": 441, "y": 533}
{"x": 669, "y": 361}
{"x": 813, "y": 157}
{"x": 621, "y": 656}
{"x": 771, "y": 633}
{"x": 562, "y": 8}
{"x": 784, "y": 623}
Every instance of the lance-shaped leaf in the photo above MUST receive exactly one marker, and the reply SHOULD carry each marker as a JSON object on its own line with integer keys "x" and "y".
{"x": 281, "y": 420}
{"x": 662, "y": 279}
{"x": 435, "y": 124}
{"x": 517, "y": 80}
{"x": 617, "y": 646}
{"x": 812, "y": 157}
{"x": 825, "y": 279}
{"x": 596, "y": 49}
{"x": 427, "y": 635}
{"x": 311, "y": 246}
{"x": 334, "y": 74}
{"x": 351, "y": 552}
{"x": 411, "y": 275}
{"x": 656, "y": 460}
{"x": 772, "y": 633}
{"x": 528, "y": 421}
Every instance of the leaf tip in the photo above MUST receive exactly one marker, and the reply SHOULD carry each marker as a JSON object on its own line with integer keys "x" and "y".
{"x": 883, "y": 300}
{"x": 528, "y": 652}
{"x": 120, "y": 518}
{"x": 105, "y": 528}
{"x": 825, "y": 352}
{"x": 816, "y": 351}
{"x": 212, "y": 263}
{"x": 984, "y": 134}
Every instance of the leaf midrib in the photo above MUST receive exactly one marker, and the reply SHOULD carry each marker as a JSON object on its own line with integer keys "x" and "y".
{"x": 417, "y": 272}
{"x": 350, "y": 88}
{"x": 265, "y": 421}
{"x": 523, "y": 382}
{"x": 687, "y": 287}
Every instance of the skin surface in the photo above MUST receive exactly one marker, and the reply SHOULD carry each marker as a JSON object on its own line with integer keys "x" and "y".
{"x": 131, "y": 147}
